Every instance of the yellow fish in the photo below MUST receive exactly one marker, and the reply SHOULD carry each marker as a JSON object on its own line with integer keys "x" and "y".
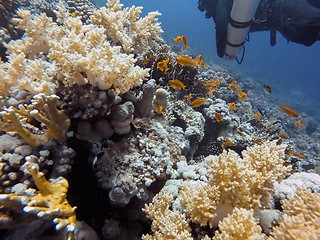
{"x": 242, "y": 96}
{"x": 163, "y": 65}
{"x": 176, "y": 84}
{"x": 232, "y": 106}
{"x": 74, "y": 14}
{"x": 199, "y": 61}
{"x": 186, "y": 61}
{"x": 218, "y": 117}
{"x": 299, "y": 123}
{"x": 198, "y": 102}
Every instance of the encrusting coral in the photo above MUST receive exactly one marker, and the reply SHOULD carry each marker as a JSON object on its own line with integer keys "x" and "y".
{"x": 49, "y": 203}
{"x": 43, "y": 109}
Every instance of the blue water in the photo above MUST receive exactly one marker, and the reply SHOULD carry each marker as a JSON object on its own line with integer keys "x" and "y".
{"x": 292, "y": 70}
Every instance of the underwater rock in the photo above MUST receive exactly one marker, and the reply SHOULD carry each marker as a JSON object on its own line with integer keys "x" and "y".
{"x": 121, "y": 117}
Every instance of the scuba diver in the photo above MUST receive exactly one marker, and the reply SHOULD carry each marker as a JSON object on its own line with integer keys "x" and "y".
{"x": 297, "y": 20}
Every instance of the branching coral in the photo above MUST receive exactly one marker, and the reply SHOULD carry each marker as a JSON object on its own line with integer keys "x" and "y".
{"x": 125, "y": 27}
{"x": 200, "y": 202}
{"x": 43, "y": 109}
{"x": 248, "y": 181}
{"x": 70, "y": 50}
{"x": 49, "y": 203}
{"x": 301, "y": 219}
{"x": 166, "y": 224}
{"x": 239, "y": 225}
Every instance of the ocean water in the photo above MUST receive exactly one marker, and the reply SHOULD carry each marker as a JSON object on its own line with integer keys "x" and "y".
{"x": 292, "y": 70}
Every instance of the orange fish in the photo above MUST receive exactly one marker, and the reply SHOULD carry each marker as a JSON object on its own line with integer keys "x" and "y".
{"x": 198, "y": 102}
{"x": 297, "y": 154}
{"x": 233, "y": 86}
{"x": 146, "y": 61}
{"x": 199, "y": 61}
{"x": 232, "y": 106}
{"x": 283, "y": 136}
{"x": 177, "y": 39}
{"x": 239, "y": 132}
{"x": 159, "y": 109}
{"x": 290, "y": 111}
{"x": 227, "y": 142}
{"x": 177, "y": 84}
{"x": 189, "y": 117}
{"x": 185, "y": 42}
{"x": 186, "y": 61}
{"x": 182, "y": 39}
{"x": 257, "y": 115}
{"x": 188, "y": 97}
{"x": 299, "y": 123}
{"x": 218, "y": 117}
{"x": 163, "y": 65}
{"x": 242, "y": 96}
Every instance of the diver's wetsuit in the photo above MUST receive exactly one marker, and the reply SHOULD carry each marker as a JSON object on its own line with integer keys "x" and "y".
{"x": 297, "y": 20}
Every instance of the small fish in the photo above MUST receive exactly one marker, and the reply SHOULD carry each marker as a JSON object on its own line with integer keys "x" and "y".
{"x": 199, "y": 61}
{"x": 186, "y": 61}
{"x": 283, "y": 136}
{"x": 299, "y": 123}
{"x": 232, "y": 106}
{"x": 211, "y": 84}
{"x": 297, "y": 154}
{"x": 198, "y": 102}
{"x": 233, "y": 86}
{"x": 185, "y": 42}
{"x": 228, "y": 143}
{"x": 218, "y": 117}
{"x": 163, "y": 65}
{"x": 159, "y": 109}
{"x": 74, "y": 14}
{"x": 242, "y": 96}
{"x": 176, "y": 84}
{"x": 182, "y": 39}
{"x": 188, "y": 97}
{"x": 145, "y": 61}
{"x": 177, "y": 39}
{"x": 267, "y": 89}
{"x": 257, "y": 115}
{"x": 189, "y": 117}
{"x": 290, "y": 111}
{"x": 239, "y": 132}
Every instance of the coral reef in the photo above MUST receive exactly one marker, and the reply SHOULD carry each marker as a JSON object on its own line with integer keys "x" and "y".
{"x": 141, "y": 143}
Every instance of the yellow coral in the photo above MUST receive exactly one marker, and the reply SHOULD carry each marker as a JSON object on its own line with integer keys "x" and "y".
{"x": 238, "y": 226}
{"x": 43, "y": 109}
{"x": 50, "y": 203}
{"x": 248, "y": 181}
{"x": 301, "y": 219}
{"x": 200, "y": 202}
{"x": 166, "y": 223}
